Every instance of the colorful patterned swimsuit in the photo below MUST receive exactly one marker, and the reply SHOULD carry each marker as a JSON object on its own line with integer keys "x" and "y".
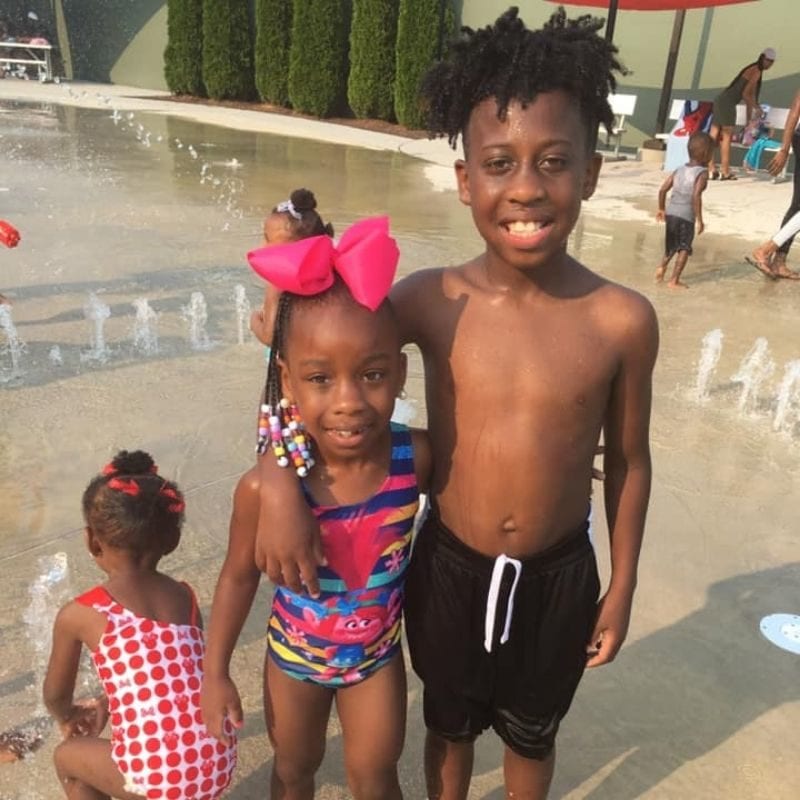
{"x": 353, "y": 628}
{"x": 151, "y": 672}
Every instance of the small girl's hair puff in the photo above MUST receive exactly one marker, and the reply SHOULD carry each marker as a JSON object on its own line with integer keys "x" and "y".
{"x": 129, "y": 506}
{"x": 509, "y": 62}
{"x": 310, "y": 222}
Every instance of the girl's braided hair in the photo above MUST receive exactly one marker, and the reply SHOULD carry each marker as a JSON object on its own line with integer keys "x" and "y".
{"x": 509, "y": 62}
{"x": 131, "y": 507}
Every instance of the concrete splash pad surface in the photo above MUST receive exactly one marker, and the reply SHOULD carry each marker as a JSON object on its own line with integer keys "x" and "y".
{"x": 699, "y": 704}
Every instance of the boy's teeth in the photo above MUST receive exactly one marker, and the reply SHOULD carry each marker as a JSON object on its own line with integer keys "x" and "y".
{"x": 524, "y": 227}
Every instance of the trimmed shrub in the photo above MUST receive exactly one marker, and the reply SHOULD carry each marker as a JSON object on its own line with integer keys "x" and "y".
{"x": 370, "y": 86}
{"x": 273, "y": 35}
{"x": 420, "y": 39}
{"x": 183, "y": 57}
{"x": 227, "y": 49}
{"x": 318, "y": 56}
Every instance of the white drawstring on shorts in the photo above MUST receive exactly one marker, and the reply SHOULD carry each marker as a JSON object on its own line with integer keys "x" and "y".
{"x": 491, "y": 600}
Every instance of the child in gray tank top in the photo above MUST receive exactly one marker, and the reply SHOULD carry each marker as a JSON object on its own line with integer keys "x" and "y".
{"x": 684, "y": 209}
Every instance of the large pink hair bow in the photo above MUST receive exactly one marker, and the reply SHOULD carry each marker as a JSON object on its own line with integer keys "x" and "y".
{"x": 365, "y": 259}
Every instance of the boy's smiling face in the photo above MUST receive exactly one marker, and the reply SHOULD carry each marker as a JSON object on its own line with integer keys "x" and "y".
{"x": 525, "y": 177}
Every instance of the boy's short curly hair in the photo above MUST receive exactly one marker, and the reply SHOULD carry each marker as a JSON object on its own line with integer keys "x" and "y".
{"x": 510, "y": 62}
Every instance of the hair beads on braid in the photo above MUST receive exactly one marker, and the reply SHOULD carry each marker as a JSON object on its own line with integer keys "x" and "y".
{"x": 509, "y": 62}
{"x": 279, "y": 423}
{"x": 131, "y": 507}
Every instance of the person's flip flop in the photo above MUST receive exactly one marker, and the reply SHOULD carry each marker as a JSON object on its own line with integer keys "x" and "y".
{"x": 761, "y": 267}
{"x": 729, "y": 177}
{"x": 789, "y": 275}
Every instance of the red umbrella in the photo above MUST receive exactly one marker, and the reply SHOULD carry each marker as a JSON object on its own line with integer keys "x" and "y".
{"x": 679, "y": 7}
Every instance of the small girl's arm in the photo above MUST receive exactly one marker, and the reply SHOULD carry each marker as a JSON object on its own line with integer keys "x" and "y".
{"x": 262, "y": 320}
{"x": 62, "y": 669}
{"x": 233, "y": 597}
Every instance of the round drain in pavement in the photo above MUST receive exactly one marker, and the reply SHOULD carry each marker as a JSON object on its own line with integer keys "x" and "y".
{"x": 783, "y": 630}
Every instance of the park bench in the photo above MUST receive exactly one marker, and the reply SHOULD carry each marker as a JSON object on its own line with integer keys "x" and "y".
{"x": 25, "y": 54}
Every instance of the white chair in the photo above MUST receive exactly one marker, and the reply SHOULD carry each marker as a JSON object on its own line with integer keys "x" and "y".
{"x": 622, "y": 107}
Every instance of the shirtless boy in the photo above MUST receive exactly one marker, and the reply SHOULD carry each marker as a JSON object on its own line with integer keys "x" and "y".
{"x": 528, "y": 357}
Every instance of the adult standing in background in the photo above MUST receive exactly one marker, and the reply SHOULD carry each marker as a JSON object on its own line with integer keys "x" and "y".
{"x": 744, "y": 87}
{"x": 770, "y": 257}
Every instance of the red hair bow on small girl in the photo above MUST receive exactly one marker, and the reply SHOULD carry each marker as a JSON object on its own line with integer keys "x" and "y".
{"x": 128, "y": 486}
{"x": 177, "y": 506}
{"x": 365, "y": 259}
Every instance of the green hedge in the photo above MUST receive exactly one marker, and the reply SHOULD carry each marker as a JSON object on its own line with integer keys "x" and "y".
{"x": 183, "y": 57}
{"x": 273, "y": 35}
{"x": 370, "y": 86}
{"x": 421, "y": 33}
{"x": 318, "y": 56}
{"x": 227, "y": 49}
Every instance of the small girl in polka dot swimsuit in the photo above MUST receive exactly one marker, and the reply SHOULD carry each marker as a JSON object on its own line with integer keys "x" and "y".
{"x": 144, "y": 632}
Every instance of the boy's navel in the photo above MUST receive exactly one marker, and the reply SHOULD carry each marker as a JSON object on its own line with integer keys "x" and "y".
{"x": 509, "y": 526}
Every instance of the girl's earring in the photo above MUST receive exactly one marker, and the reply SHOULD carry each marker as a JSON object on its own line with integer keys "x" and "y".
{"x": 402, "y": 394}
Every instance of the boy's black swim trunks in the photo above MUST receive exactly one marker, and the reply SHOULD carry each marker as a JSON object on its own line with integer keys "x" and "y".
{"x": 679, "y": 235}
{"x": 524, "y": 686}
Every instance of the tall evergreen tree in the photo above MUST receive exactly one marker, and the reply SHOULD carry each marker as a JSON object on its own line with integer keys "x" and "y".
{"x": 370, "y": 86}
{"x": 318, "y": 56}
{"x": 273, "y": 36}
{"x": 421, "y": 33}
{"x": 227, "y": 50}
{"x": 183, "y": 57}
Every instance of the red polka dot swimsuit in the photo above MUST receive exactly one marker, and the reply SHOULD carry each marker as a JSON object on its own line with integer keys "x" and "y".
{"x": 151, "y": 672}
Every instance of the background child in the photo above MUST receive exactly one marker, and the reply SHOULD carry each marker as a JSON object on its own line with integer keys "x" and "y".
{"x": 290, "y": 221}
{"x": 685, "y": 207}
{"x": 336, "y": 360}
{"x": 528, "y": 357}
{"x": 756, "y": 136}
{"x": 143, "y": 630}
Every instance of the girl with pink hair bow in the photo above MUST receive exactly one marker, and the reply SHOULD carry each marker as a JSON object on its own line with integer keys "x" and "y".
{"x": 334, "y": 372}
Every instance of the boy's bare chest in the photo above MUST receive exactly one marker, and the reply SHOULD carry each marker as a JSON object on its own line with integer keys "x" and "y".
{"x": 556, "y": 359}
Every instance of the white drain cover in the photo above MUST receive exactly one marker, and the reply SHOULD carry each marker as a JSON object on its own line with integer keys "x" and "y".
{"x": 783, "y": 630}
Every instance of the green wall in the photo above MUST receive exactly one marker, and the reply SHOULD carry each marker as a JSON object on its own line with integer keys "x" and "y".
{"x": 117, "y": 41}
